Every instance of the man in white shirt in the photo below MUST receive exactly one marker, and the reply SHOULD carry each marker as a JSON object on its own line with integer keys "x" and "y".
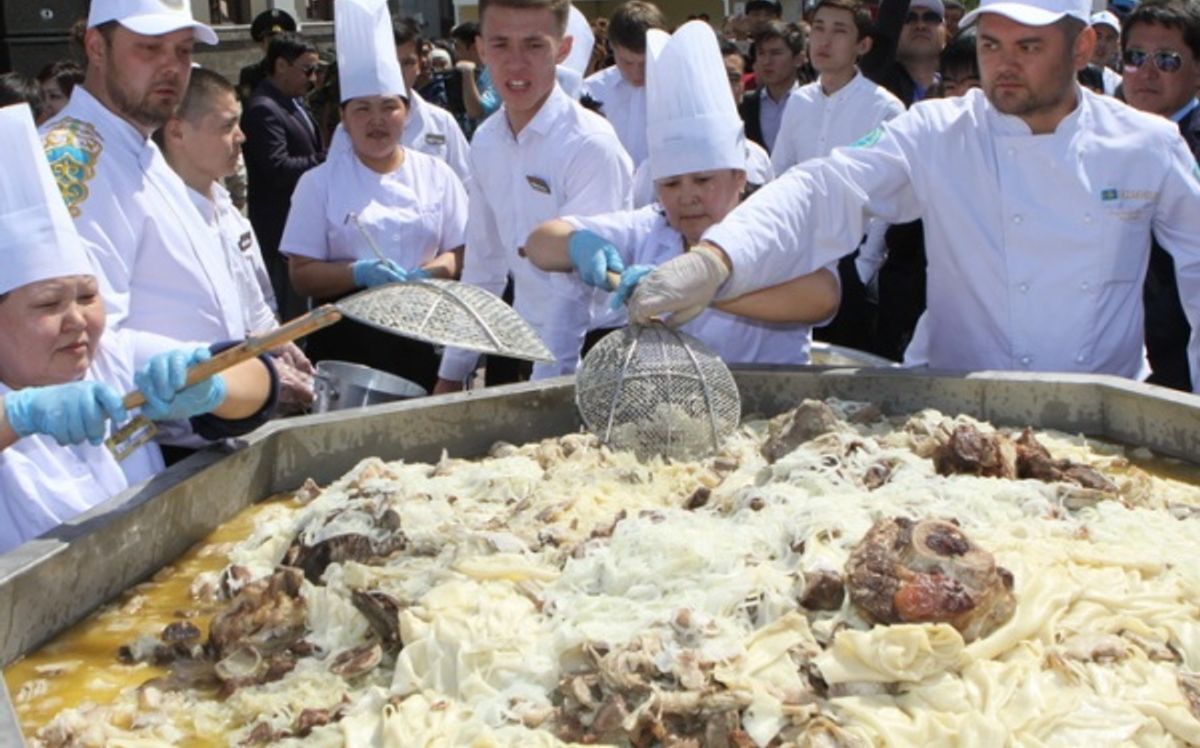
{"x": 541, "y": 156}
{"x": 841, "y": 105}
{"x": 1108, "y": 46}
{"x": 1042, "y": 269}
{"x": 430, "y": 129}
{"x": 161, "y": 268}
{"x": 201, "y": 143}
{"x": 620, "y": 90}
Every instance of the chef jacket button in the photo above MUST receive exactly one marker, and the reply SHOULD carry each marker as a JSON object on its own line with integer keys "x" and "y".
{"x": 1080, "y": 358}
{"x": 1084, "y": 286}
{"x": 1026, "y": 360}
{"x": 1012, "y": 152}
{"x": 1017, "y": 218}
{"x": 1024, "y": 287}
{"x": 1087, "y": 217}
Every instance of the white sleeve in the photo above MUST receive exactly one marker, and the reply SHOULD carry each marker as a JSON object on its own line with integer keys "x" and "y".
{"x": 305, "y": 233}
{"x": 599, "y": 179}
{"x": 817, "y": 212}
{"x": 1177, "y": 228}
{"x": 454, "y": 213}
{"x": 457, "y": 150}
{"x": 485, "y": 264}
{"x": 108, "y": 232}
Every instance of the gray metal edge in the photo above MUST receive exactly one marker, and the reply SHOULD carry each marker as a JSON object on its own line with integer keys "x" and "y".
{"x": 52, "y": 582}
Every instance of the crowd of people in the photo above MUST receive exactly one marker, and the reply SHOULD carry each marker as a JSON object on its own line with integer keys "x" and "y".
{"x": 1012, "y": 187}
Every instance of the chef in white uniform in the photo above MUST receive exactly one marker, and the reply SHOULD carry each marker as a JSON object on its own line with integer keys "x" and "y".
{"x": 1039, "y": 199}
{"x": 541, "y": 155}
{"x": 697, "y": 154}
{"x": 61, "y": 379}
{"x": 411, "y": 205}
{"x": 429, "y": 128}
{"x": 162, "y": 270}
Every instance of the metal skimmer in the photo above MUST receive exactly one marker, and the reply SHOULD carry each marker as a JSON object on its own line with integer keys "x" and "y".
{"x": 657, "y": 391}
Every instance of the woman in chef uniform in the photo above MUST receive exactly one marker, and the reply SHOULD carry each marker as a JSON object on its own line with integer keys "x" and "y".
{"x": 698, "y": 161}
{"x": 61, "y": 382}
{"x": 411, "y": 204}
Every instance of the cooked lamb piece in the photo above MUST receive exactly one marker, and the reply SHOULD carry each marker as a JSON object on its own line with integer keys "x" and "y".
{"x": 811, "y": 419}
{"x": 970, "y": 451}
{"x": 1034, "y": 461}
{"x": 928, "y": 571}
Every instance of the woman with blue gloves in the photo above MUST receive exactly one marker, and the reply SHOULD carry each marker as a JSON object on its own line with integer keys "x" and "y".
{"x": 411, "y": 204}
{"x": 698, "y": 161}
{"x": 61, "y": 379}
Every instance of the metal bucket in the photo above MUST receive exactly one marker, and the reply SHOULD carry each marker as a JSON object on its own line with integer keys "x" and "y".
{"x": 341, "y": 385}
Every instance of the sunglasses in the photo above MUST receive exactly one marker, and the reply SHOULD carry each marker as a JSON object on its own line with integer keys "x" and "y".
{"x": 928, "y": 17}
{"x": 310, "y": 69}
{"x": 1165, "y": 60}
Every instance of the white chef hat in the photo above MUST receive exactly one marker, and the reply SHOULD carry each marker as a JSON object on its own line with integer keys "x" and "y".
{"x": 570, "y": 72}
{"x": 150, "y": 17}
{"x": 366, "y": 50}
{"x": 37, "y": 237}
{"x": 691, "y": 119}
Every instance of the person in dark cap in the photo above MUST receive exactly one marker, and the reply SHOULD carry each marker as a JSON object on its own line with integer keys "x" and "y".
{"x": 264, "y": 27}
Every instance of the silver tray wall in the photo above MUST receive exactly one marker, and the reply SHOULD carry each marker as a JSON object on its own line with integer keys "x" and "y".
{"x": 50, "y": 583}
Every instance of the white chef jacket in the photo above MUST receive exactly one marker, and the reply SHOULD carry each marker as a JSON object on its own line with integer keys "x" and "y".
{"x": 758, "y": 172}
{"x": 161, "y": 268}
{"x": 414, "y": 213}
{"x": 429, "y": 129}
{"x": 243, "y": 255}
{"x": 43, "y": 484}
{"x": 565, "y": 161}
{"x": 624, "y": 106}
{"x": 643, "y": 237}
{"x": 814, "y": 124}
{"x": 1037, "y": 244}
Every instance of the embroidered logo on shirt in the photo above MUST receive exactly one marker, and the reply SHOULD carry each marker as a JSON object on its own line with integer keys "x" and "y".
{"x": 1109, "y": 194}
{"x": 73, "y": 149}
{"x": 434, "y": 138}
{"x": 869, "y": 139}
{"x": 244, "y": 241}
{"x": 538, "y": 184}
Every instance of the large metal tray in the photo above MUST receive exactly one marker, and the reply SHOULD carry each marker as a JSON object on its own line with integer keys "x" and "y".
{"x": 52, "y": 582}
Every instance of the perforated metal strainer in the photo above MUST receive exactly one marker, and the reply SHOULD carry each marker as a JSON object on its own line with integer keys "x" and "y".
{"x": 657, "y": 391}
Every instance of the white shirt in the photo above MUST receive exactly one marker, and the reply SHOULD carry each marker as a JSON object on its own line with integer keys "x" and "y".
{"x": 243, "y": 255}
{"x": 643, "y": 237}
{"x": 413, "y": 213}
{"x": 429, "y": 129}
{"x": 624, "y": 106}
{"x": 565, "y": 161}
{"x": 814, "y": 123}
{"x": 1112, "y": 80}
{"x": 161, "y": 268}
{"x": 43, "y": 484}
{"x": 1037, "y": 244}
{"x": 758, "y": 172}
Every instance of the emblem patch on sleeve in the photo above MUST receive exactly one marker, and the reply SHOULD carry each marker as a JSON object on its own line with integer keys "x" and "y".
{"x": 869, "y": 139}
{"x": 73, "y": 149}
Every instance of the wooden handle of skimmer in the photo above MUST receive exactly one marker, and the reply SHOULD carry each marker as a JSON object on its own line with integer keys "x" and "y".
{"x": 322, "y": 316}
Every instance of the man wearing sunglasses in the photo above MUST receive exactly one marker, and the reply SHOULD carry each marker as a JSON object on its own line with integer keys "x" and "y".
{"x": 1161, "y": 56}
{"x": 282, "y": 142}
{"x": 1041, "y": 269}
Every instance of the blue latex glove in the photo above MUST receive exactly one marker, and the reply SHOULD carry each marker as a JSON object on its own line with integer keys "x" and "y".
{"x": 629, "y": 281}
{"x": 70, "y": 413}
{"x": 163, "y": 382}
{"x": 372, "y": 273}
{"x": 593, "y": 256}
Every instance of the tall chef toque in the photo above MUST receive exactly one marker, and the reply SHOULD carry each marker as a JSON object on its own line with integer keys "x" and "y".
{"x": 1032, "y": 12}
{"x": 37, "y": 236}
{"x": 570, "y": 72}
{"x": 692, "y": 122}
{"x": 366, "y": 50}
{"x": 150, "y": 17}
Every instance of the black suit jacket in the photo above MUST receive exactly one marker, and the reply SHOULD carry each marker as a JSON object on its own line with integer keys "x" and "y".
{"x": 1167, "y": 328}
{"x": 279, "y": 147}
{"x": 749, "y": 111}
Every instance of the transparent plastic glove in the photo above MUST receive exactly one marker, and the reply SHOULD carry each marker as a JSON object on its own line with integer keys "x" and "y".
{"x": 680, "y": 288}
{"x": 71, "y": 413}
{"x": 629, "y": 280}
{"x": 163, "y": 382}
{"x": 372, "y": 273}
{"x": 593, "y": 256}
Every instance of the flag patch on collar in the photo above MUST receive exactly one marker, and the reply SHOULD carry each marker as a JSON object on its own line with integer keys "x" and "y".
{"x": 1109, "y": 194}
{"x": 434, "y": 138}
{"x": 538, "y": 184}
